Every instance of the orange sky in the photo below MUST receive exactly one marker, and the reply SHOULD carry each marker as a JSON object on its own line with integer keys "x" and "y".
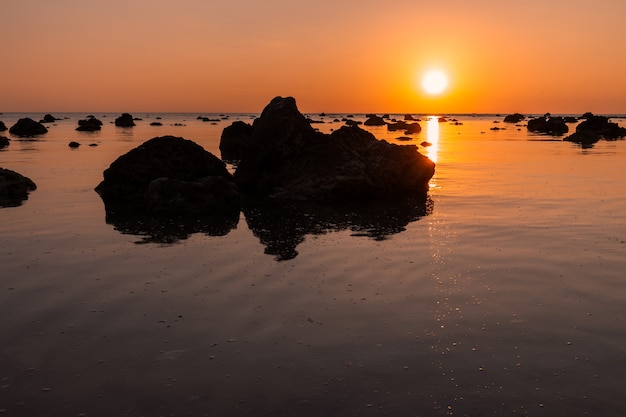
{"x": 334, "y": 56}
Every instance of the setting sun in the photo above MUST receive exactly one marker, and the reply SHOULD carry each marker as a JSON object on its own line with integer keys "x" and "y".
{"x": 434, "y": 82}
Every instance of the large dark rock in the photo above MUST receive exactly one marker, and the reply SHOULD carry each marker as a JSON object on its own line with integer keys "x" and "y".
{"x": 548, "y": 125}
{"x": 595, "y": 128}
{"x": 90, "y": 124}
{"x": 27, "y": 127}
{"x": 14, "y": 188}
{"x": 125, "y": 120}
{"x": 4, "y": 142}
{"x": 167, "y": 176}
{"x": 235, "y": 140}
{"x": 514, "y": 118}
{"x": 3, "y": 127}
{"x": 289, "y": 159}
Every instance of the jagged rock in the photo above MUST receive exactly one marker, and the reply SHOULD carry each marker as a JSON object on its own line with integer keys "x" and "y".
{"x": 27, "y": 127}
{"x": 235, "y": 140}
{"x": 14, "y": 188}
{"x": 91, "y": 124}
{"x": 183, "y": 170}
{"x": 514, "y": 118}
{"x": 4, "y": 142}
{"x": 595, "y": 128}
{"x": 289, "y": 159}
{"x": 125, "y": 120}
{"x": 373, "y": 120}
{"x": 548, "y": 125}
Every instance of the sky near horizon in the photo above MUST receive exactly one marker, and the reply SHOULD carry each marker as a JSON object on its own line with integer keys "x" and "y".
{"x": 332, "y": 56}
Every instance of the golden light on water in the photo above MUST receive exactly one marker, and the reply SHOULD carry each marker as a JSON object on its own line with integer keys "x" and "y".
{"x": 432, "y": 137}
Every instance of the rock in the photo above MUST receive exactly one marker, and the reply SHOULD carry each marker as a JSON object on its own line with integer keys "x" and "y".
{"x": 289, "y": 159}
{"x": 3, "y": 127}
{"x": 156, "y": 124}
{"x": 4, "y": 142}
{"x": 125, "y": 120}
{"x": 514, "y": 118}
{"x": 27, "y": 127}
{"x": 48, "y": 118}
{"x": 595, "y": 128}
{"x": 373, "y": 120}
{"x": 91, "y": 124}
{"x": 401, "y": 125}
{"x": 73, "y": 144}
{"x": 185, "y": 165}
{"x": 409, "y": 117}
{"x": 14, "y": 188}
{"x": 548, "y": 125}
{"x": 235, "y": 140}
{"x": 587, "y": 115}
{"x": 413, "y": 128}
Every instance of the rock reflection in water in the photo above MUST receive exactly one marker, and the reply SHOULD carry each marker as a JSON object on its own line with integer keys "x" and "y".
{"x": 281, "y": 226}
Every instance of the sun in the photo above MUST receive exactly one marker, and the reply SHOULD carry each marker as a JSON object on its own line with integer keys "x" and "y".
{"x": 434, "y": 82}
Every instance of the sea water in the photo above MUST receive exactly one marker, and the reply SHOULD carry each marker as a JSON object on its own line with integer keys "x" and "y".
{"x": 504, "y": 295}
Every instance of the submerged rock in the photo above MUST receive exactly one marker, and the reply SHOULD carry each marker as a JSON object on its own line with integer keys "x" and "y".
{"x": 548, "y": 125}
{"x": 595, "y": 128}
{"x": 125, "y": 120}
{"x": 289, "y": 159}
{"x": 169, "y": 176}
{"x": 27, "y": 127}
{"x": 14, "y": 188}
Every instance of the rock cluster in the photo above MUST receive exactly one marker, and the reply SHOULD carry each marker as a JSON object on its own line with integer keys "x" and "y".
{"x": 595, "y": 128}
{"x": 548, "y": 125}
{"x": 90, "y": 124}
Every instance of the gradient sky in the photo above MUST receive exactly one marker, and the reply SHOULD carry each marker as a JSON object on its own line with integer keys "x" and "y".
{"x": 530, "y": 56}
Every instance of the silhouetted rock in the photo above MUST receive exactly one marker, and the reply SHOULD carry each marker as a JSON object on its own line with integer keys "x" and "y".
{"x": 125, "y": 120}
{"x": 4, "y": 142}
{"x": 27, "y": 127}
{"x": 514, "y": 118}
{"x": 168, "y": 176}
{"x": 409, "y": 117}
{"x": 373, "y": 120}
{"x": 91, "y": 124}
{"x": 48, "y": 118}
{"x": 156, "y": 124}
{"x": 73, "y": 144}
{"x": 235, "y": 140}
{"x": 14, "y": 188}
{"x": 595, "y": 128}
{"x": 3, "y": 127}
{"x": 289, "y": 159}
{"x": 548, "y": 125}
{"x": 587, "y": 115}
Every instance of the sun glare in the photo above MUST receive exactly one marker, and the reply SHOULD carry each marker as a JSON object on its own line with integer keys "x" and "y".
{"x": 434, "y": 82}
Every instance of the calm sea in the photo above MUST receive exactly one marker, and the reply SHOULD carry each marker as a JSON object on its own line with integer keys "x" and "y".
{"x": 504, "y": 295}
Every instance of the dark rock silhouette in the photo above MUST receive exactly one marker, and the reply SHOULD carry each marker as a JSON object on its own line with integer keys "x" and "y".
{"x": 73, "y": 144}
{"x": 125, "y": 120}
{"x": 166, "y": 176}
{"x": 373, "y": 120}
{"x": 235, "y": 140}
{"x": 282, "y": 225}
{"x": 289, "y": 159}
{"x": 410, "y": 117}
{"x": 4, "y": 142}
{"x": 548, "y": 125}
{"x": 156, "y": 124}
{"x": 14, "y": 188}
{"x": 514, "y": 118}
{"x": 90, "y": 124}
{"x": 27, "y": 127}
{"x": 587, "y": 115}
{"x": 3, "y": 127}
{"x": 48, "y": 118}
{"x": 595, "y": 128}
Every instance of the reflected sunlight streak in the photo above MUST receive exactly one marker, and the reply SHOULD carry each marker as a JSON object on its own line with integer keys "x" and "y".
{"x": 432, "y": 137}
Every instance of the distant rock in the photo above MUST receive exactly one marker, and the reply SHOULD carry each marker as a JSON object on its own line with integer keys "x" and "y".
{"x": 514, "y": 118}
{"x": 548, "y": 125}
{"x": 595, "y": 128}
{"x": 587, "y": 115}
{"x": 288, "y": 159}
{"x": 48, "y": 118}
{"x": 235, "y": 140}
{"x": 156, "y": 124}
{"x": 91, "y": 124}
{"x": 169, "y": 176}
{"x": 73, "y": 144}
{"x": 125, "y": 120}
{"x": 409, "y": 117}
{"x": 4, "y": 142}
{"x": 373, "y": 120}
{"x": 27, "y": 127}
{"x": 3, "y": 127}
{"x": 14, "y": 188}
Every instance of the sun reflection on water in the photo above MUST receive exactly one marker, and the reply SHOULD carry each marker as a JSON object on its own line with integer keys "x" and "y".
{"x": 432, "y": 137}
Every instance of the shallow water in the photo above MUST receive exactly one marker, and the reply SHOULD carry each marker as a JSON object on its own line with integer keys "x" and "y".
{"x": 503, "y": 294}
